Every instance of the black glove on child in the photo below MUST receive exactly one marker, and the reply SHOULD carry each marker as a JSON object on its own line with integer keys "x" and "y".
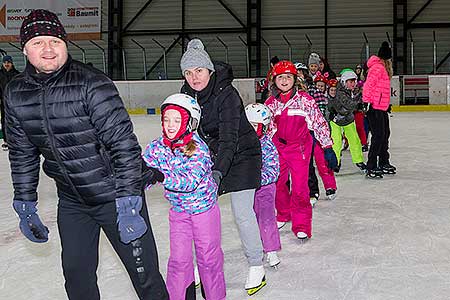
{"x": 151, "y": 176}
{"x": 330, "y": 158}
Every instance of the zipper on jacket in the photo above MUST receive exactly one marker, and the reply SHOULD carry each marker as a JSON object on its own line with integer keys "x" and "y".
{"x": 53, "y": 146}
{"x": 106, "y": 160}
{"x": 302, "y": 151}
{"x": 379, "y": 100}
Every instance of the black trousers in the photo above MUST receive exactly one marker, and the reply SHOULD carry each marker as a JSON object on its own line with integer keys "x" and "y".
{"x": 379, "y": 143}
{"x": 79, "y": 228}
{"x": 313, "y": 182}
{"x": 3, "y": 120}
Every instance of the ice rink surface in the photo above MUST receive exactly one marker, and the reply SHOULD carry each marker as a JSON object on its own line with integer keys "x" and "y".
{"x": 380, "y": 239}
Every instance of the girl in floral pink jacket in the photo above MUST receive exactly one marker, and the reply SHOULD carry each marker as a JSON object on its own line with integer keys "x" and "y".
{"x": 294, "y": 114}
{"x": 183, "y": 158}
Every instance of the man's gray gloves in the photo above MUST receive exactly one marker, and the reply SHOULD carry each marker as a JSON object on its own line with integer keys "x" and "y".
{"x": 217, "y": 175}
{"x": 30, "y": 224}
{"x": 130, "y": 223}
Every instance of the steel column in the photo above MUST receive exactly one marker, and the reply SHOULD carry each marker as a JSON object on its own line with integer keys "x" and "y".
{"x": 115, "y": 15}
{"x": 254, "y": 36}
{"x": 400, "y": 41}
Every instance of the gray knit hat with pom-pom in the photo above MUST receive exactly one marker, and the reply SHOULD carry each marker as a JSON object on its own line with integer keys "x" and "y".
{"x": 195, "y": 57}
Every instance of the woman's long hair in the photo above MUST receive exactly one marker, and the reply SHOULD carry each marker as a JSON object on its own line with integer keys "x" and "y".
{"x": 388, "y": 66}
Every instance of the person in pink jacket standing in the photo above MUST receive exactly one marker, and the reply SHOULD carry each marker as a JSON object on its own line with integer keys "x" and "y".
{"x": 294, "y": 114}
{"x": 183, "y": 160}
{"x": 377, "y": 93}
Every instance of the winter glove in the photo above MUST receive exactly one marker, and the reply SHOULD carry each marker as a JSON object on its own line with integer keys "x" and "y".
{"x": 30, "y": 224}
{"x": 330, "y": 158}
{"x": 366, "y": 107}
{"x": 151, "y": 176}
{"x": 131, "y": 225}
{"x": 217, "y": 175}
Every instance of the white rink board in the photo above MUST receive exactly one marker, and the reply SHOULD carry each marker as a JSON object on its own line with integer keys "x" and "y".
{"x": 386, "y": 239}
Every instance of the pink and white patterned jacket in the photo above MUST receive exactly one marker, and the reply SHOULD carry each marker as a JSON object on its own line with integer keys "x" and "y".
{"x": 188, "y": 182}
{"x": 292, "y": 121}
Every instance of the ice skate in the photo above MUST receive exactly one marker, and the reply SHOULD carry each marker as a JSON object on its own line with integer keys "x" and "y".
{"x": 375, "y": 173}
{"x": 314, "y": 199}
{"x": 272, "y": 259}
{"x": 256, "y": 279}
{"x": 338, "y": 168}
{"x": 331, "y": 194}
{"x": 362, "y": 167}
{"x": 388, "y": 169}
{"x": 196, "y": 277}
{"x": 281, "y": 224}
{"x": 345, "y": 144}
{"x": 301, "y": 235}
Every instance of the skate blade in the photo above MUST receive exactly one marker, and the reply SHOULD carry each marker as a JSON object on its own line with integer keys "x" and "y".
{"x": 254, "y": 290}
{"x": 331, "y": 198}
{"x": 275, "y": 267}
{"x": 374, "y": 177}
{"x": 389, "y": 173}
{"x": 281, "y": 226}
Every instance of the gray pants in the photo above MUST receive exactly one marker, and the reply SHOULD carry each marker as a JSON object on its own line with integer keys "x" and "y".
{"x": 245, "y": 218}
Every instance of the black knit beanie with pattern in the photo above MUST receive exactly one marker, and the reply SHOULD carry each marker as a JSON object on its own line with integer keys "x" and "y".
{"x": 41, "y": 22}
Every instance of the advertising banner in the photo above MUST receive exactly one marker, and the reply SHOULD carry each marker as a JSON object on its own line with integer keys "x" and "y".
{"x": 81, "y": 18}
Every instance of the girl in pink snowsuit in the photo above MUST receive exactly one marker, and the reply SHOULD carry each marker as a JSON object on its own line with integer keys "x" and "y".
{"x": 183, "y": 158}
{"x": 294, "y": 114}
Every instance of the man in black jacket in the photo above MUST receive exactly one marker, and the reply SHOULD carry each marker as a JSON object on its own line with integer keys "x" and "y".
{"x": 7, "y": 72}
{"x": 73, "y": 116}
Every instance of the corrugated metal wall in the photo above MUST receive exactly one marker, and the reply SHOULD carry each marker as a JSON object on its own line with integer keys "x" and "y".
{"x": 345, "y": 45}
{"x": 437, "y": 11}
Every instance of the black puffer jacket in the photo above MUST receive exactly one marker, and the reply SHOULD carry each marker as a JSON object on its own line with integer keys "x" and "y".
{"x": 6, "y": 76}
{"x": 75, "y": 118}
{"x": 233, "y": 142}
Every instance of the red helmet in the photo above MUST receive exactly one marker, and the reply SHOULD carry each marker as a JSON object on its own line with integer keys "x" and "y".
{"x": 321, "y": 77}
{"x": 332, "y": 83}
{"x": 284, "y": 67}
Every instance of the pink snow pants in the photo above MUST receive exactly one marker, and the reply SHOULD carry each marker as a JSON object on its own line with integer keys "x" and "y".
{"x": 327, "y": 175}
{"x": 359, "y": 122}
{"x": 264, "y": 207}
{"x": 205, "y": 231}
{"x": 292, "y": 202}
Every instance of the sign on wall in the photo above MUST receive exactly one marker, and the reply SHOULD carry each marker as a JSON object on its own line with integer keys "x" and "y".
{"x": 81, "y": 18}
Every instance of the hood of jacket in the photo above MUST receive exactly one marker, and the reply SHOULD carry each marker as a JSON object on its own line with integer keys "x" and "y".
{"x": 373, "y": 60}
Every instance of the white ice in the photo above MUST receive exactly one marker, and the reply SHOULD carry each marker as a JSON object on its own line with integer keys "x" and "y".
{"x": 380, "y": 239}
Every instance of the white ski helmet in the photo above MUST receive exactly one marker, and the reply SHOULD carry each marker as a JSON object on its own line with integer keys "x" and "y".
{"x": 348, "y": 74}
{"x": 258, "y": 113}
{"x": 188, "y": 103}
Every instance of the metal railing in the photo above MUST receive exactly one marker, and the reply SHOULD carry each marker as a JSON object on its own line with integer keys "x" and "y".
{"x": 232, "y": 53}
